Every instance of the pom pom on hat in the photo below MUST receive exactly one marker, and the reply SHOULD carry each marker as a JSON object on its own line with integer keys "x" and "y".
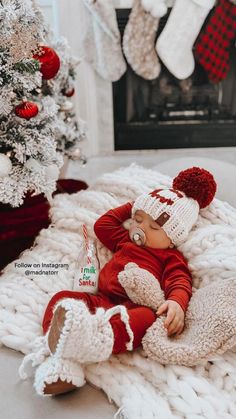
{"x": 196, "y": 183}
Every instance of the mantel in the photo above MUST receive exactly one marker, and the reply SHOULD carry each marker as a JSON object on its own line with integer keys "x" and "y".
{"x": 123, "y": 4}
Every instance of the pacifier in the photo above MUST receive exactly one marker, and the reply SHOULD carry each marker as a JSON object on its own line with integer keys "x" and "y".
{"x": 137, "y": 236}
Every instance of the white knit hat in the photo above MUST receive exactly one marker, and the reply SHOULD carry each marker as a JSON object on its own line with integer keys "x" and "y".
{"x": 176, "y": 209}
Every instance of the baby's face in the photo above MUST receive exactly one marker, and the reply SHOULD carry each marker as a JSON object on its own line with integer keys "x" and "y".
{"x": 156, "y": 237}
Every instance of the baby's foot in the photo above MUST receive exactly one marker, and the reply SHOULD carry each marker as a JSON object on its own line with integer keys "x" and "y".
{"x": 57, "y": 376}
{"x": 56, "y": 327}
{"x": 59, "y": 387}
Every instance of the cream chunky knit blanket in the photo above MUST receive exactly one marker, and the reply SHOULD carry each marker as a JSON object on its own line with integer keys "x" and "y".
{"x": 141, "y": 387}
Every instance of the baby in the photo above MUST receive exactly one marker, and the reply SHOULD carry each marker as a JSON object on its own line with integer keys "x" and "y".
{"x": 89, "y": 328}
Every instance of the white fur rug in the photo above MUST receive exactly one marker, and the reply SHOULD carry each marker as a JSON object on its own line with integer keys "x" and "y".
{"x": 141, "y": 388}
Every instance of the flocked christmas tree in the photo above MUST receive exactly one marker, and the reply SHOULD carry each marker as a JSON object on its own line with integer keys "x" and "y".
{"x": 37, "y": 123}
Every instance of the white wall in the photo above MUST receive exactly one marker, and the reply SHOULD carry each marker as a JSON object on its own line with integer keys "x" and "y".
{"x": 72, "y": 24}
{"x": 50, "y": 11}
{"x": 93, "y": 94}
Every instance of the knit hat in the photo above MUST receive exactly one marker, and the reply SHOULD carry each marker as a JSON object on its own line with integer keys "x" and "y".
{"x": 176, "y": 209}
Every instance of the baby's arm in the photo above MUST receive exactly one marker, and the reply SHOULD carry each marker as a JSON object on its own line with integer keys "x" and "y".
{"x": 177, "y": 285}
{"x": 109, "y": 229}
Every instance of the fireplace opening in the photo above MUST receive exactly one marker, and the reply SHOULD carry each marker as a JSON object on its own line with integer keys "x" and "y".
{"x": 167, "y": 112}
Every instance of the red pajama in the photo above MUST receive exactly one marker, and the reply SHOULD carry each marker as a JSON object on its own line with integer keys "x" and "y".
{"x": 140, "y": 318}
{"x": 167, "y": 265}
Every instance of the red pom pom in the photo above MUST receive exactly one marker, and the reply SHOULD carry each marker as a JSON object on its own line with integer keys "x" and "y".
{"x": 68, "y": 92}
{"x": 196, "y": 183}
{"x": 50, "y": 62}
{"x": 26, "y": 110}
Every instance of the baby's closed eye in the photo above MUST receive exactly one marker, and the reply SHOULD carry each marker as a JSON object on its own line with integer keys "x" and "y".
{"x": 155, "y": 226}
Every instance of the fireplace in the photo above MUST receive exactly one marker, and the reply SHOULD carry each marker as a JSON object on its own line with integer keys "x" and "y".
{"x": 169, "y": 113}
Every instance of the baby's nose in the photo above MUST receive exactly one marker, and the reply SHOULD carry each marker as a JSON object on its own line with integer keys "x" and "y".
{"x": 142, "y": 225}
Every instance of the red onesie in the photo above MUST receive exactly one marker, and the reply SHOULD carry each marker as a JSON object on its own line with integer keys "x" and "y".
{"x": 167, "y": 265}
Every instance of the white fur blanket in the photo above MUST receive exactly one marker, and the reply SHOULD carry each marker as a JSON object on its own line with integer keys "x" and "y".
{"x": 142, "y": 388}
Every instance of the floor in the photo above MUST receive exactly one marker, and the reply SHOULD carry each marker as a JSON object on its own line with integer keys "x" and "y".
{"x": 147, "y": 158}
{"x": 18, "y": 399}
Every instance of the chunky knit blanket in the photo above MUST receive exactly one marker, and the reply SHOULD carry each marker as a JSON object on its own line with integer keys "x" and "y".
{"x": 141, "y": 387}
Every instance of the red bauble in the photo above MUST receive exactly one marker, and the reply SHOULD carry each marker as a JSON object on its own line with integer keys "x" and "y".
{"x": 50, "y": 62}
{"x": 26, "y": 110}
{"x": 68, "y": 92}
{"x": 196, "y": 183}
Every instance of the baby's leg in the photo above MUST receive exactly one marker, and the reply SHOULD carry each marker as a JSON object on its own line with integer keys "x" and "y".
{"x": 56, "y": 323}
{"x": 92, "y": 302}
{"x": 140, "y": 319}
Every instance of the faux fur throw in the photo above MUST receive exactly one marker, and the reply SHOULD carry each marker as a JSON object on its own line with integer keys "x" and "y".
{"x": 142, "y": 388}
{"x": 210, "y": 322}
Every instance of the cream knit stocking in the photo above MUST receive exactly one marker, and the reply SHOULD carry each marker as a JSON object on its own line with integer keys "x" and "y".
{"x": 139, "y": 42}
{"x": 101, "y": 42}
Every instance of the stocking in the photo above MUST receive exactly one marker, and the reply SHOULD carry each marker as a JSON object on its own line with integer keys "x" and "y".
{"x": 139, "y": 40}
{"x": 101, "y": 42}
{"x": 174, "y": 45}
{"x": 213, "y": 45}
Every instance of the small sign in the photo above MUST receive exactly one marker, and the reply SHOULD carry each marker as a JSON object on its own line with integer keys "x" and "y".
{"x": 87, "y": 280}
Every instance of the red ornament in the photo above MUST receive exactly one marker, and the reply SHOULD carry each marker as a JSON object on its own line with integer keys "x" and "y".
{"x": 68, "y": 92}
{"x": 50, "y": 62}
{"x": 26, "y": 110}
{"x": 196, "y": 183}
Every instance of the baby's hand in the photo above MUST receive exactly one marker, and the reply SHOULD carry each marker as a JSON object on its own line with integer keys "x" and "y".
{"x": 174, "y": 322}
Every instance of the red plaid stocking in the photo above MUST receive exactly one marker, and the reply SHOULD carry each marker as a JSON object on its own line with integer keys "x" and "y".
{"x": 212, "y": 46}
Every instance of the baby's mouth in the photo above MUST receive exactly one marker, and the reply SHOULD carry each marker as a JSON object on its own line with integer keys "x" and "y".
{"x": 137, "y": 236}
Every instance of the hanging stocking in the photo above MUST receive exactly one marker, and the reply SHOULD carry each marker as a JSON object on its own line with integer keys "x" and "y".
{"x": 213, "y": 45}
{"x": 139, "y": 38}
{"x": 174, "y": 45}
{"x": 101, "y": 42}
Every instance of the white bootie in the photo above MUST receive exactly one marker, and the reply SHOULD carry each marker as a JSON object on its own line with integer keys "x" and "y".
{"x": 53, "y": 375}
{"x": 57, "y": 376}
{"x": 78, "y": 335}
{"x": 75, "y": 337}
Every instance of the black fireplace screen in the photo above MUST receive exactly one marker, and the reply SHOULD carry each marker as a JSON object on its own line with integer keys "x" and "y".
{"x": 171, "y": 113}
